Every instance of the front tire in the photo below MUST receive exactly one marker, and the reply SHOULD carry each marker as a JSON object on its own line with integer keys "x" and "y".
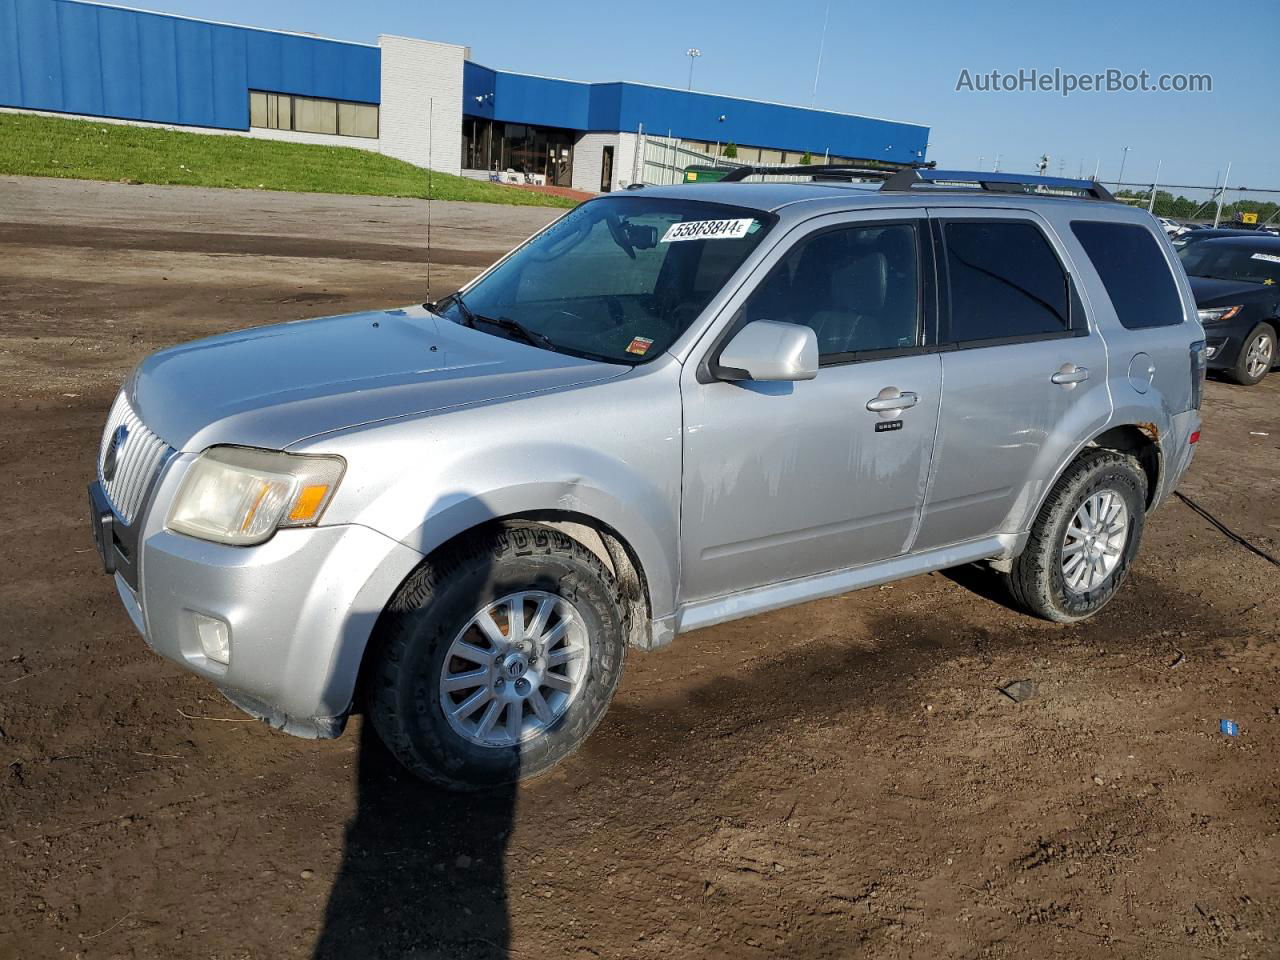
{"x": 1084, "y": 540}
{"x": 497, "y": 657}
{"x": 1256, "y": 356}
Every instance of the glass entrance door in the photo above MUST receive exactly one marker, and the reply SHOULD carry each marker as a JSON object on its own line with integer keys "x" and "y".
{"x": 606, "y": 170}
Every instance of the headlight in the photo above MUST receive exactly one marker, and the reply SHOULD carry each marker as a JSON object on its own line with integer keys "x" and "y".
{"x": 1217, "y": 314}
{"x": 240, "y": 495}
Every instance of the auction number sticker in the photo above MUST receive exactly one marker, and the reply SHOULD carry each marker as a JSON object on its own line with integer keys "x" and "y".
{"x": 707, "y": 230}
{"x": 1269, "y": 257}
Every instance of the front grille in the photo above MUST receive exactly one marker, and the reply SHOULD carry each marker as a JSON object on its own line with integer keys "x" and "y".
{"x": 138, "y": 454}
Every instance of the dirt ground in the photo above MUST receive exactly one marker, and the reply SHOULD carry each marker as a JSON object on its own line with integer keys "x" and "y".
{"x": 841, "y": 779}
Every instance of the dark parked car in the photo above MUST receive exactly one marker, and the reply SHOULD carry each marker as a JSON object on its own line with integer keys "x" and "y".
{"x": 1236, "y": 282}
{"x": 1200, "y": 234}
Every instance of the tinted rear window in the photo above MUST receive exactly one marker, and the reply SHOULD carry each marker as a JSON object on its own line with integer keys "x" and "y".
{"x": 1005, "y": 282}
{"x": 1134, "y": 271}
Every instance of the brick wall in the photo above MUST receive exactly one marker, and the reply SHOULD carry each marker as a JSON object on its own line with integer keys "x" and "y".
{"x": 422, "y": 80}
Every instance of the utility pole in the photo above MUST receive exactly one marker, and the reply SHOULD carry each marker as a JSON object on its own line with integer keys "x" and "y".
{"x": 821, "y": 45}
{"x": 1123, "y": 157}
{"x": 1042, "y": 164}
{"x": 980, "y": 162}
{"x": 996, "y": 168}
{"x": 1217, "y": 217}
{"x": 1151, "y": 204}
{"x": 693, "y": 53}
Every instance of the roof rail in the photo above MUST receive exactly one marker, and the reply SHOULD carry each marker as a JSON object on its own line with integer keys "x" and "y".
{"x": 911, "y": 178}
{"x": 818, "y": 171}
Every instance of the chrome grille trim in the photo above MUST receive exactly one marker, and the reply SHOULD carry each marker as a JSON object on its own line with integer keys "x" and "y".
{"x": 137, "y": 460}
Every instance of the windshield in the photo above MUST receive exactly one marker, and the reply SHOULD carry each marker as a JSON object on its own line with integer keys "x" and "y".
{"x": 617, "y": 279}
{"x": 1230, "y": 261}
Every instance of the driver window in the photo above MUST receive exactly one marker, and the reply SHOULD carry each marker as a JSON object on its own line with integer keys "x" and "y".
{"x": 857, "y": 287}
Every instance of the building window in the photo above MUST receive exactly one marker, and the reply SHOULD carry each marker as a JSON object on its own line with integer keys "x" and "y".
{"x": 545, "y": 152}
{"x": 280, "y": 111}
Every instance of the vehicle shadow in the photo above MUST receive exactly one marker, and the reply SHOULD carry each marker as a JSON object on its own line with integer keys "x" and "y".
{"x": 980, "y": 579}
{"x": 423, "y": 873}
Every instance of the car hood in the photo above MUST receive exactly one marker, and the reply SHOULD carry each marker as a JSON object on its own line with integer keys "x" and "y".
{"x": 278, "y": 385}
{"x": 1210, "y": 292}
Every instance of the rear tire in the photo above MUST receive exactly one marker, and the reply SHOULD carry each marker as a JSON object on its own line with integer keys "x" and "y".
{"x": 1084, "y": 540}
{"x": 502, "y": 610}
{"x": 1257, "y": 355}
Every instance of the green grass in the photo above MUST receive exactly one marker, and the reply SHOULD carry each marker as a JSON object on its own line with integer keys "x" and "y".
{"x": 37, "y": 146}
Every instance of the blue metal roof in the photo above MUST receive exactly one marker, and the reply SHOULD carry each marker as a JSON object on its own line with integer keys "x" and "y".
{"x": 113, "y": 62}
{"x": 99, "y": 60}
{"x": 520, "y": 98}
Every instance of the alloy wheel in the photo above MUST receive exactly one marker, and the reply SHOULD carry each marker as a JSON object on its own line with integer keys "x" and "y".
{"x": 1095, "y": 540}
{"x": 1257, "y": 360}
{"x": 515, "y": 669}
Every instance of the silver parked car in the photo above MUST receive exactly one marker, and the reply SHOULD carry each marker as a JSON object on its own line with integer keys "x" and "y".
{"x": 671, "y": 408}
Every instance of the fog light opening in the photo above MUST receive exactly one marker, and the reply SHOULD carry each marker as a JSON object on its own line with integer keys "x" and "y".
{"x": 215, "y": 637}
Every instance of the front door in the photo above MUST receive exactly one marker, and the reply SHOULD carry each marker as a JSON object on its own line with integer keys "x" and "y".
{"x": 1025, "y": 377}
{"x": 784, "y": 480}
{"x": 606, "y": 170}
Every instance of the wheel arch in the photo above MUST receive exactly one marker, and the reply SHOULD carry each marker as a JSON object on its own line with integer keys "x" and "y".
{"x": 1141, "y": 439}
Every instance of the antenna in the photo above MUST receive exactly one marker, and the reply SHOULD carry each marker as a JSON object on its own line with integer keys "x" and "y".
{"x": 431, "y": 137}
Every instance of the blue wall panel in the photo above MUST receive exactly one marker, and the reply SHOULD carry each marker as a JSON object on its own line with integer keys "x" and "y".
{"x": 39, "y": 53}
{"x": 518, "y": 98}
{"x": 118, "y": 33}
{"x": 229, "y": 57}
{"x": 697, "y": 116}
{"x": 78, "y": 48}
{"x": 158, "y": 67}
{"x": 478, "y": 86}
{"x": 194, "y": 44}
{"x": 551, "y": 103}
{"x": 10, "y": 70}
{"x": 76, "y": 57}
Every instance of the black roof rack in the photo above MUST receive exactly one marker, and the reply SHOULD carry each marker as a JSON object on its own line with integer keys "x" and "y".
{"x": 818, "y": 171}
{"x": 912, "y": 178}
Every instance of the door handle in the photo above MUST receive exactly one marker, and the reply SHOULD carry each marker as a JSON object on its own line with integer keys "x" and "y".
{"x": 1070, "y": 375}
{"x": 899, "y": 401}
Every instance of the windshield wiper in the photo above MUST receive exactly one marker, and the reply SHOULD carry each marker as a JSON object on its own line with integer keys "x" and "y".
{"x": 529, "y": 336}
{"x": 468, "y": 318}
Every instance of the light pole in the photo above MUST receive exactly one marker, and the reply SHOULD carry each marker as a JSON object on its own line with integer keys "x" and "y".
{"x": 817, "y": 71}
{"x": 693, "y": 53}
{"x": 1123, "y": 157}
{"x": 1151, "y": 204}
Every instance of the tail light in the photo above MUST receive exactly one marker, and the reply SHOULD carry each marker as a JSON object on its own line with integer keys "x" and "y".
{"x": 1199, "y": 367}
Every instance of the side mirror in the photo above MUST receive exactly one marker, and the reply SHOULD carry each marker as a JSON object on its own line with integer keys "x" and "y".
{"x": 768, "y": 350}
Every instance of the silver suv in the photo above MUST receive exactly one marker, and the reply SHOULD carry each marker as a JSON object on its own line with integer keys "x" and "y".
{"x": 671, "y": 408}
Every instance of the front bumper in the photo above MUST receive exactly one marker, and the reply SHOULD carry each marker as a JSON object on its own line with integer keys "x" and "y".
{"x": 1225, "y": 340}
{"x": 300, "y": 609}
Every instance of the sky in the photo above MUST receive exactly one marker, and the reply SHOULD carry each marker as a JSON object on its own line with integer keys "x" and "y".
{"x": 900, "y": 62}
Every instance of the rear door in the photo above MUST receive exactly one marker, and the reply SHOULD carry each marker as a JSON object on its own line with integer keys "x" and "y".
{"x": 1149, "y": 324}
{"x": 784, "y": 480}
{"x": 1024, "y": 377}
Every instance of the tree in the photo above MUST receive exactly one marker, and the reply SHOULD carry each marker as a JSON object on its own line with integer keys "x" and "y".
{"x": 806, "y": 159}
{"x": 730, "y": 151}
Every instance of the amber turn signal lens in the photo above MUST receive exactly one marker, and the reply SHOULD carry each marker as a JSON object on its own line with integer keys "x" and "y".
{"x": 308, "y": 502}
